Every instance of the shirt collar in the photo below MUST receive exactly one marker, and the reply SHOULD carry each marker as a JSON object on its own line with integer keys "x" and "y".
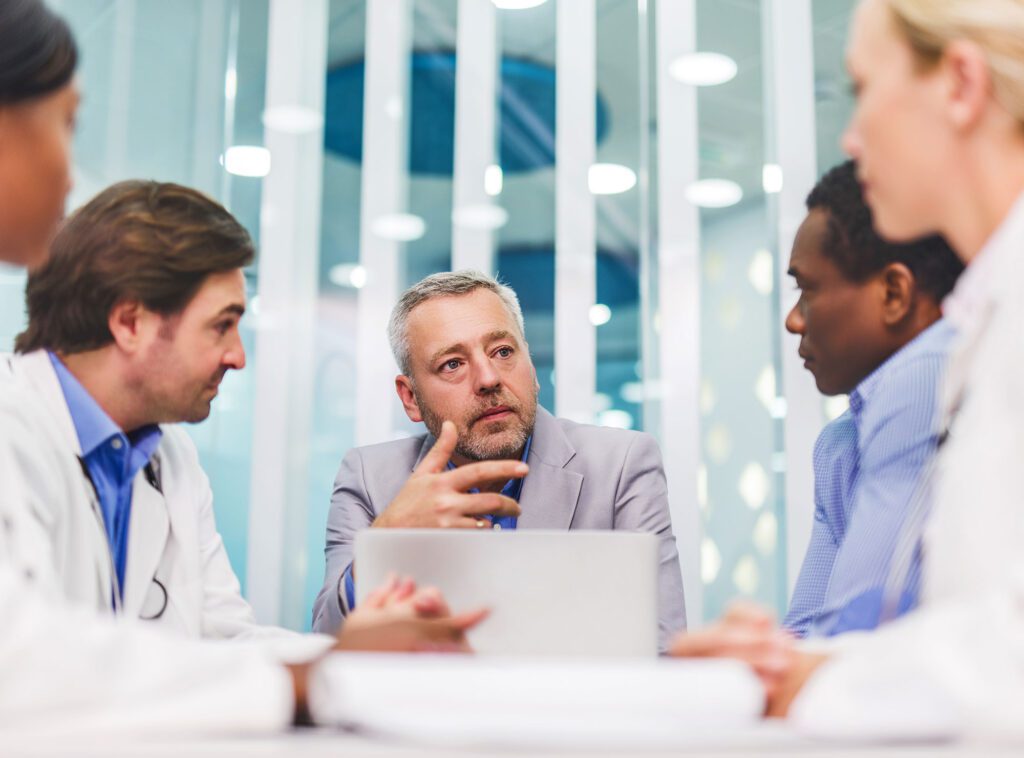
{"x": 936, "y": 334}
{"x": 982, "y": 279}
{"x": 92, "y": 424}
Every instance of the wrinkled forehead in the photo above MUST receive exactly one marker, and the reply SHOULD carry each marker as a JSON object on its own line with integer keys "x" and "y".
{"x": 467, "y": 319}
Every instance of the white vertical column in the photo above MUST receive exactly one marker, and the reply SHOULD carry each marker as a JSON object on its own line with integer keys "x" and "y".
{"x": 791, "y": 132}
{"x": 679, "y": 291}
{"x": 288, "y": 281}
{"x": 213, "y": 106}
{"x": 384, "y": 194}
{"x": 476, "y": 68}
{"x": 575, "y": 217}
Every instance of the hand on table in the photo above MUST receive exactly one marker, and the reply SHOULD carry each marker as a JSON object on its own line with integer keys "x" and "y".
{"x": 435, "y": 497}
{"x": 748, "y": 633}
{"x": 398, "y": 617}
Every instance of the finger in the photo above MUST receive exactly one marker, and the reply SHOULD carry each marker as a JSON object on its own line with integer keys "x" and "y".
{"x": 467, "y": 620}
{"x": 428, "y": 602}
{"x": 486, "y": 504}
{"x": 483, "y": 473}
{"x": 378, "y": 597}
{"x": 724, "y": 641}
{"x": 437, "y": 459}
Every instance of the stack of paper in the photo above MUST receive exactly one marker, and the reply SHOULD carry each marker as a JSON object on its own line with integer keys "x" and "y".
{"x": 472, "y": 700}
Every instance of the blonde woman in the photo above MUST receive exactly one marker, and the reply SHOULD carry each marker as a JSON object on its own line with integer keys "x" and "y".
{"x": 938, "y": 135}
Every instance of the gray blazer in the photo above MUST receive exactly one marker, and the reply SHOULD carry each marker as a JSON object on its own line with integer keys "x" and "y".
{"x": 581, "y": 477}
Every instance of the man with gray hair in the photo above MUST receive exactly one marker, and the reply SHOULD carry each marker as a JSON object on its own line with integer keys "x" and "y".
{"x": 459, "y": 341}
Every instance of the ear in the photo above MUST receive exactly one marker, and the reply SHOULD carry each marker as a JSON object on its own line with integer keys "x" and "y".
{"x": 899, "y": 288}
{"x": 128, "y": 323}
{"x": 969, "y": 82}
{"x": 403, "y": 385}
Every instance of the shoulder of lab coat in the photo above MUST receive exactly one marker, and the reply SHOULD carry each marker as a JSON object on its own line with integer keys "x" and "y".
{"x": 67, "y": 667}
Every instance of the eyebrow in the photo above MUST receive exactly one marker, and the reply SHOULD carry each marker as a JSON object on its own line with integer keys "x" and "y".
{"x": 234, "y": 308}
{"x": 458, "y": 347}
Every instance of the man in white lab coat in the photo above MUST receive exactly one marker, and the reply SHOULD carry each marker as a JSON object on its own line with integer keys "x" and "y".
{"x": 107, "y": 531}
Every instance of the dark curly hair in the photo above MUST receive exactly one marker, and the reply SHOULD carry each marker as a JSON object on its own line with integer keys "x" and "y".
{"x": 853, "y": 245}
{"x": 38, "y": 54}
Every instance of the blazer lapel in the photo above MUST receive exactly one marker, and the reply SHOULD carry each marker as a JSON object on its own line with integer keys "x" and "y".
{"x": 550, "y": 493}
{"x": 148, "y": 531}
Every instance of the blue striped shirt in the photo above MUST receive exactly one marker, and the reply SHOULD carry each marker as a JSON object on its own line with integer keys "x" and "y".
{"x": 868, "y": 463}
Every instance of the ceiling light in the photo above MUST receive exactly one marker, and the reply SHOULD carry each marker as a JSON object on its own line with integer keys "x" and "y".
{"x": 246, "y": 160}
{"x": 348, "y": 275}
{"x": 703, "y": 69}
{"x": 616, "y": 419}
{"x": 600, "y": 314}
{"x": 771, "y": 178}
{"x": 292, "y": 119}
{"x": 517, "y": 5}
{"x": 401, "y": 227}
{"x": 714, "y": 193}
{"x": 761, "y": 272}
{"x": 494, "y": 180}
{"x": 483, "y": 216}
{"x": 610, "y": 178}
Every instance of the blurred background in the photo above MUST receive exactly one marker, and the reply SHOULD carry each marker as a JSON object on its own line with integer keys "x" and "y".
{"x": 635, "y": 169}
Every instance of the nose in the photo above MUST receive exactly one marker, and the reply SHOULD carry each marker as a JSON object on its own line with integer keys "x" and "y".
{"x": 234, "y": 358}
{"x": 486, "y": 379}
{"x": 850, "y": 141}
{"x": 795, "y": 321}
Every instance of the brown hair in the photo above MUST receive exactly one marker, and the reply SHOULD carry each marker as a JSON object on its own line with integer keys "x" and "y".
{"x": 144, "y": 241}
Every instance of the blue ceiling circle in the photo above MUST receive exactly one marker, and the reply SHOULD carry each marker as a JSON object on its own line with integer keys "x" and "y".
{"x": 527, "y": 114}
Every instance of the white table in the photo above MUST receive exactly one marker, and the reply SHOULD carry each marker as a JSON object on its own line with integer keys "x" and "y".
{"x": 771, "y": 739}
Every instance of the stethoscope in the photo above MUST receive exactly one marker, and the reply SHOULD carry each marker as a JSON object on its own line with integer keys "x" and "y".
{"x": 152, "y": 473}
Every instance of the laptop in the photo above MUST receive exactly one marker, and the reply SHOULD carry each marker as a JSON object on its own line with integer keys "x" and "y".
{"x": 568, "y": 594}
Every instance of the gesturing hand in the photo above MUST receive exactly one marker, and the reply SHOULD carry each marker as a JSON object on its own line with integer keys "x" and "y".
{"x": 435, "y": 497}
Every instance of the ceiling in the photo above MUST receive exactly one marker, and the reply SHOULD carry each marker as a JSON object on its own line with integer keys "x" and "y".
{"x": 731, "y": 116}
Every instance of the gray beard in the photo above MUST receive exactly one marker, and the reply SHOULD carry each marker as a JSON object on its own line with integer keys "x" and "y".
{"x": 486, "y": 448}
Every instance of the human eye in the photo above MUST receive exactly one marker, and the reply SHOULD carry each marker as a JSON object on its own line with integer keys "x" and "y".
{"x": 452, "y": 364}
{"x": 504, "y": 351}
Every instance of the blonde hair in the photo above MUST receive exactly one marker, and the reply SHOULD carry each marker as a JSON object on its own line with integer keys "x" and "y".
{"x": 996, "y": 26}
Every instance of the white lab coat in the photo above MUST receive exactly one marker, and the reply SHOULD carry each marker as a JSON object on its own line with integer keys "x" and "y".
{"x": 955, "y": 666}
{"x": 60, "y": 643}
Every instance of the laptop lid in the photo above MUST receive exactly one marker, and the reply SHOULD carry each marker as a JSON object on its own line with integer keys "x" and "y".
{"x": 579, "y": 594}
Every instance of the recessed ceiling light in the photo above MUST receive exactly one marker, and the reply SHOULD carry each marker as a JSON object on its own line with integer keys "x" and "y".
{"x": 610, "y": 179}
{"x": 771, "y": 178}
{"x": 348, "y": 275}
{"x": 702, "y": 69}
{"x": 494, "y": 180}
{"x": 484, "y": 216}
{"x": 714, "y": 193}
{"x": 600, "y": 314}
{"x": 401, "y": 227}
{"x": 292, "y": 119}
{"x": 517, "y": 5}
{"x": 246, "y": 160}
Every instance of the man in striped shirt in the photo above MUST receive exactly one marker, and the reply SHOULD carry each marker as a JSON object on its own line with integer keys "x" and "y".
{"x": 870, "y": 325}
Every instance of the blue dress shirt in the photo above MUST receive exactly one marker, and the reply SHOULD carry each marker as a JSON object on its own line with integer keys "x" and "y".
{"x": 111, "y": 458}
{"x": 868, "y": 464}
{"x": 512, "y": 489}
